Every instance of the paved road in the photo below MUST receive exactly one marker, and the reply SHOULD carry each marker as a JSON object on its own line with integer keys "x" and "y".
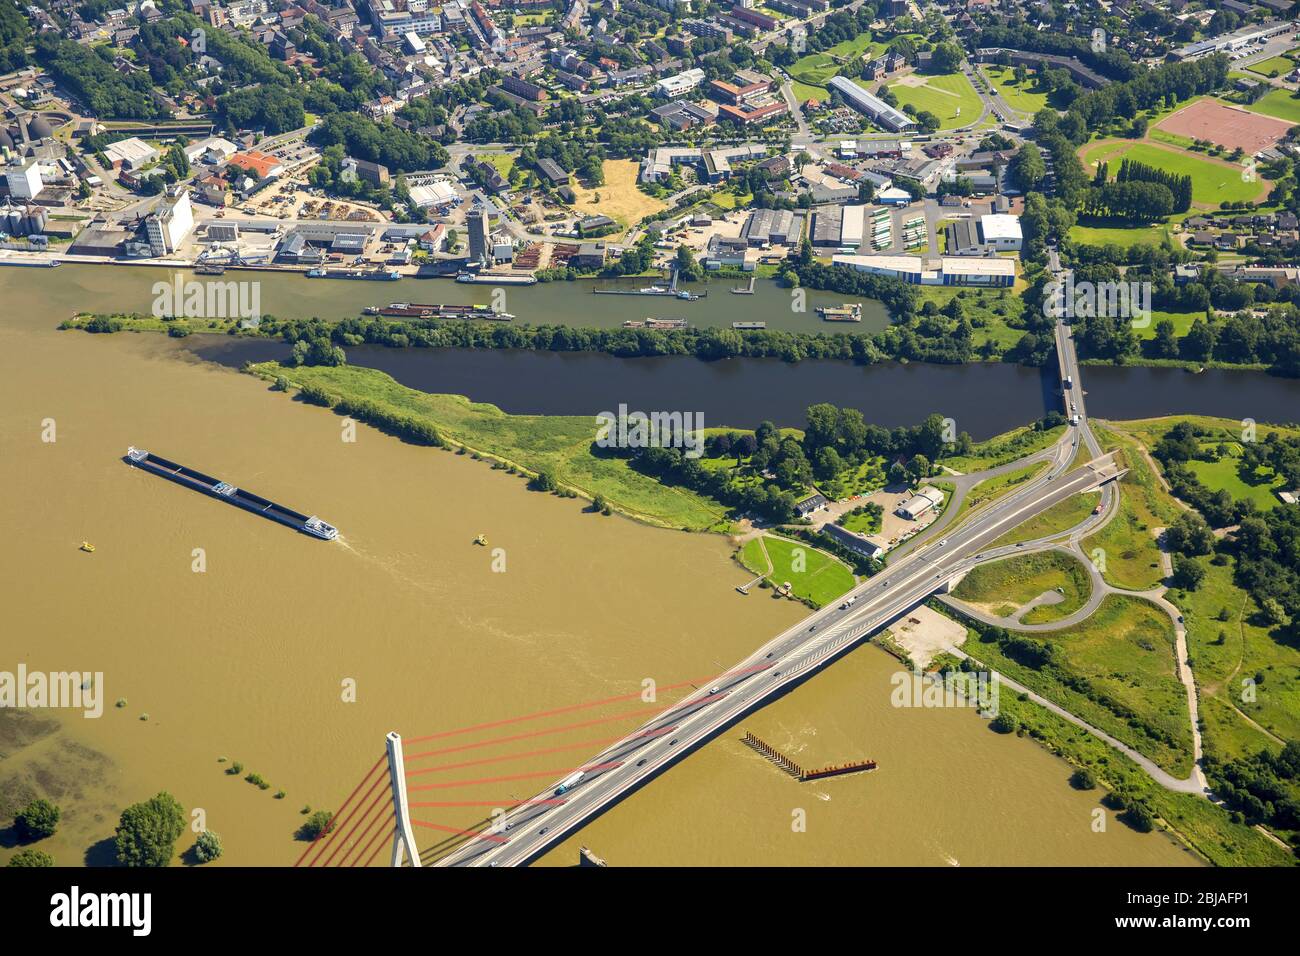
{"x": 782, "y": 663}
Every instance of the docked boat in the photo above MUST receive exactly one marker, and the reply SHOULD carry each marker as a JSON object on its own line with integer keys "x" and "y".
{"x": 498, "y": 278}
{"x": 848, "y": 312}
{"x": 381, "y": 275}
{"x": 209, "y": 270}
{"x": 215, "y": 487}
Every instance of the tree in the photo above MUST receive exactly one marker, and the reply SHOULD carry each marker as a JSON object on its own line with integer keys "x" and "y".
{"x": 148, "y": 831}
{"x": 31, "y": 858}
{"x": 38, "y": 820}
{"x": 946, "y": 58}
{"x": 688, "y": 267}
{"x": 207, "y": 847}
{"x": 1188, "y": 573}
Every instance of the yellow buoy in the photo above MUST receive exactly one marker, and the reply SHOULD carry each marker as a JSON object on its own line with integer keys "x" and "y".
{"x": 87, "y": 546}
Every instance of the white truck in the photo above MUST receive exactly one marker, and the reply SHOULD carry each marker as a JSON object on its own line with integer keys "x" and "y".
{"x": 569, "y": 782}
{"x": 1069, "y": 381}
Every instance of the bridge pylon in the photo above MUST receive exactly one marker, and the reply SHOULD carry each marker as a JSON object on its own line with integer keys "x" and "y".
{"x": 403, "y": 835}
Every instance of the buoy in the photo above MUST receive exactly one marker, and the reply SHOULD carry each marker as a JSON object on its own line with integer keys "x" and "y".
{"x": 87, "y": 546}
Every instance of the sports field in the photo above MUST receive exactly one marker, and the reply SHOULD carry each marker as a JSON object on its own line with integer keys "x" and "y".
{"x": 1213, "y": 181}
{"x": 948, "y": 96}
{"x": 1151, "y": 235}
{"x": 1230, "y": 126}
{"x": 1282, "y": 104}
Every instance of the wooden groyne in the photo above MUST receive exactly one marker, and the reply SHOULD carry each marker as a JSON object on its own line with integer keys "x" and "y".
{"x": 774, "y": 755}
{"x": 799, "y": 773}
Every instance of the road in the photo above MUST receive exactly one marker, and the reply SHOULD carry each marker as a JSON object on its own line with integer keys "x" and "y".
{"x": 782, "y": 663}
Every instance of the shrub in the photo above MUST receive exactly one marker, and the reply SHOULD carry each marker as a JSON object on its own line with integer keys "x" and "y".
{"x": 207, "y": 847}
{"x": 317, "y": 825}
{"x": 31, "y": 857}
{"x": 1082, "y": 779}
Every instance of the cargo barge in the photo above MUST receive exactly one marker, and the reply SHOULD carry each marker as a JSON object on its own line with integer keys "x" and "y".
{"x": 226, "y": 492}
{"x": 420, "y": 310}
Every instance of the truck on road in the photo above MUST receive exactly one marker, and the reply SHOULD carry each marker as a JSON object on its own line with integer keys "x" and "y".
{"x": 569, "y": 782}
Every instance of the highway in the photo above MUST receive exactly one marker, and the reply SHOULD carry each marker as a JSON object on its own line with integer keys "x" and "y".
{"x": 776, "y": 667}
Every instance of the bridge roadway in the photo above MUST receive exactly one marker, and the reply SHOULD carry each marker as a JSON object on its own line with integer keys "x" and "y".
{"x": 774, "y": 668}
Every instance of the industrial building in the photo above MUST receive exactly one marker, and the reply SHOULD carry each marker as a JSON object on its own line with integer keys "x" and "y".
{"x": 874, "y": 108}
{"x": 773, "y": 227}
{"x": 168, "y": 225}
{"x": 945, "y": 270}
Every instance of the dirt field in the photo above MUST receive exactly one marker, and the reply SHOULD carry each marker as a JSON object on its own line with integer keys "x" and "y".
{"x": 619, "y": 197}
{"x": 1229, "y": 126}
{"x": 925, "y": 633}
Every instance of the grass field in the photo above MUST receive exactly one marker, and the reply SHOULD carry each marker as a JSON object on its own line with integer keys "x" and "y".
{"x": 1280, "y": 103}
{"x": 995, "y": 487}
{"x": 815, "y": 70}
{"x": 1273, "y": 66}
{"x": 1213, "y": 181}
{"x": 814, "y": 575}
{"x": 1182, "y": 323}
{"x": 863, "y": 523}
{"x": 1019, "y": 96}
{"x": 1115, "y": 670}
{"x": 533, "y": 442}
{"x": 812, "y": 72}
{"x": 618, "y": 198}
{"x": 1005, "y": 586}
{"x": 1224, "y": 653}
{"x": 948, "y": 96}
{"x": 1152, "y": 235}
{"x": 1131, "y": 555}
{"x": 1058, "y": 519}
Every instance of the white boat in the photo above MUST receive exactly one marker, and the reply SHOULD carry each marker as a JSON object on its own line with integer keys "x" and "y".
{"x": 320, "y": 529}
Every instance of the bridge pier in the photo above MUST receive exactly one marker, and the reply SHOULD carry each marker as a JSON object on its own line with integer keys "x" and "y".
{"x": 403, "y": 835}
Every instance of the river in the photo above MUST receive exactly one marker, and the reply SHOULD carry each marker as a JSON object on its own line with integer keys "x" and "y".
{"x": 223, "y": 635}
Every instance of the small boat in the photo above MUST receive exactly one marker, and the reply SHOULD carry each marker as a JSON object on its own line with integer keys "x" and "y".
{"x": 87, "y": 547}
{"x": 481, "y": 539}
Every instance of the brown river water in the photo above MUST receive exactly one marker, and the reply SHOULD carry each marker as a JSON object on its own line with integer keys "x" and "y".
{"x": 249, "y": 659}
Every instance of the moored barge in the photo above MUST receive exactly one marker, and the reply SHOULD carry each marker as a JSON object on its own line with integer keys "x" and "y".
{"x": 190, "y": 478}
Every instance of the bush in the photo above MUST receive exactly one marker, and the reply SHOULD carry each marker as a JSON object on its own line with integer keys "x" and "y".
{"x": 207, "y": 847}
{"x": 31, "y": 857}
{"x": 1082, "y": 779}
{"x": 38, "y": 820}
{"x": 545, "y": 481}
{"x": 148, "y": 831}
{"x": 1004, "y": 723}
{"x": 316, "y": 825}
